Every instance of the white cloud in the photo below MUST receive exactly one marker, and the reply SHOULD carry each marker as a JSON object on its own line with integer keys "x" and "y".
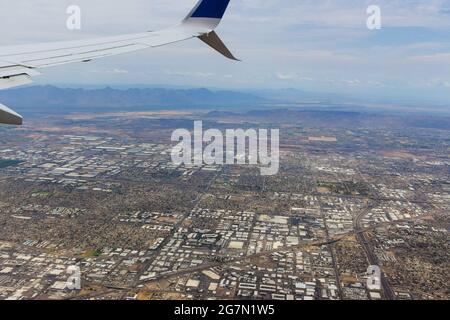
{"x": 110, "y": 71}
{"x": 438, "y": 58}
{"x": 286, "y": 76}
{"x": 189, "y": 74}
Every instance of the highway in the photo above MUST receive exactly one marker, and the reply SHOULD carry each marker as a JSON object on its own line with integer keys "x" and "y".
{"x": 364, "y": 241}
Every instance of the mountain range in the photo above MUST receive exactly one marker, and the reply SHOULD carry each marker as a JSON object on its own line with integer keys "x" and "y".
{"x": 53, "y": 99}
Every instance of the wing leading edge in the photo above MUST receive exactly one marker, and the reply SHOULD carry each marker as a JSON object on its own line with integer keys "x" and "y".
{"x": 18, "y": 64}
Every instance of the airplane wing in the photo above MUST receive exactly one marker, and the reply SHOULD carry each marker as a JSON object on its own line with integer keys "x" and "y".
{"x": 18, "y": 64}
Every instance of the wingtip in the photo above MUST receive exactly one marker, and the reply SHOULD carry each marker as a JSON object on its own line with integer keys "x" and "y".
{"x": 8, "y": 116}
{"x": 231, "y": 57}
{"x": 214, "y": 41}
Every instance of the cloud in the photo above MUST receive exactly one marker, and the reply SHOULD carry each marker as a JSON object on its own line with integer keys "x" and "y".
{"x": 285, "y": 76}
{"x": 353, "y": 82}
{"x": 438, "y": 58}
{"x": 291, "y": 76}
{"x": 111, "y": 71}
{"x": 438, "y": 83}
{"x": 189, "y": 74}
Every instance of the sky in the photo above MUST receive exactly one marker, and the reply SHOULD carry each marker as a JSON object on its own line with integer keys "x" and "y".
{"x": 311, "y": 45}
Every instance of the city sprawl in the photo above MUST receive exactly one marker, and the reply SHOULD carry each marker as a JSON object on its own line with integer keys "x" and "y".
{"x": 101, "y": 193}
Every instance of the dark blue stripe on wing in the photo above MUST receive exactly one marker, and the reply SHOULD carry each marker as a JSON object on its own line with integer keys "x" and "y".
{"x": 211, "y": 9}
